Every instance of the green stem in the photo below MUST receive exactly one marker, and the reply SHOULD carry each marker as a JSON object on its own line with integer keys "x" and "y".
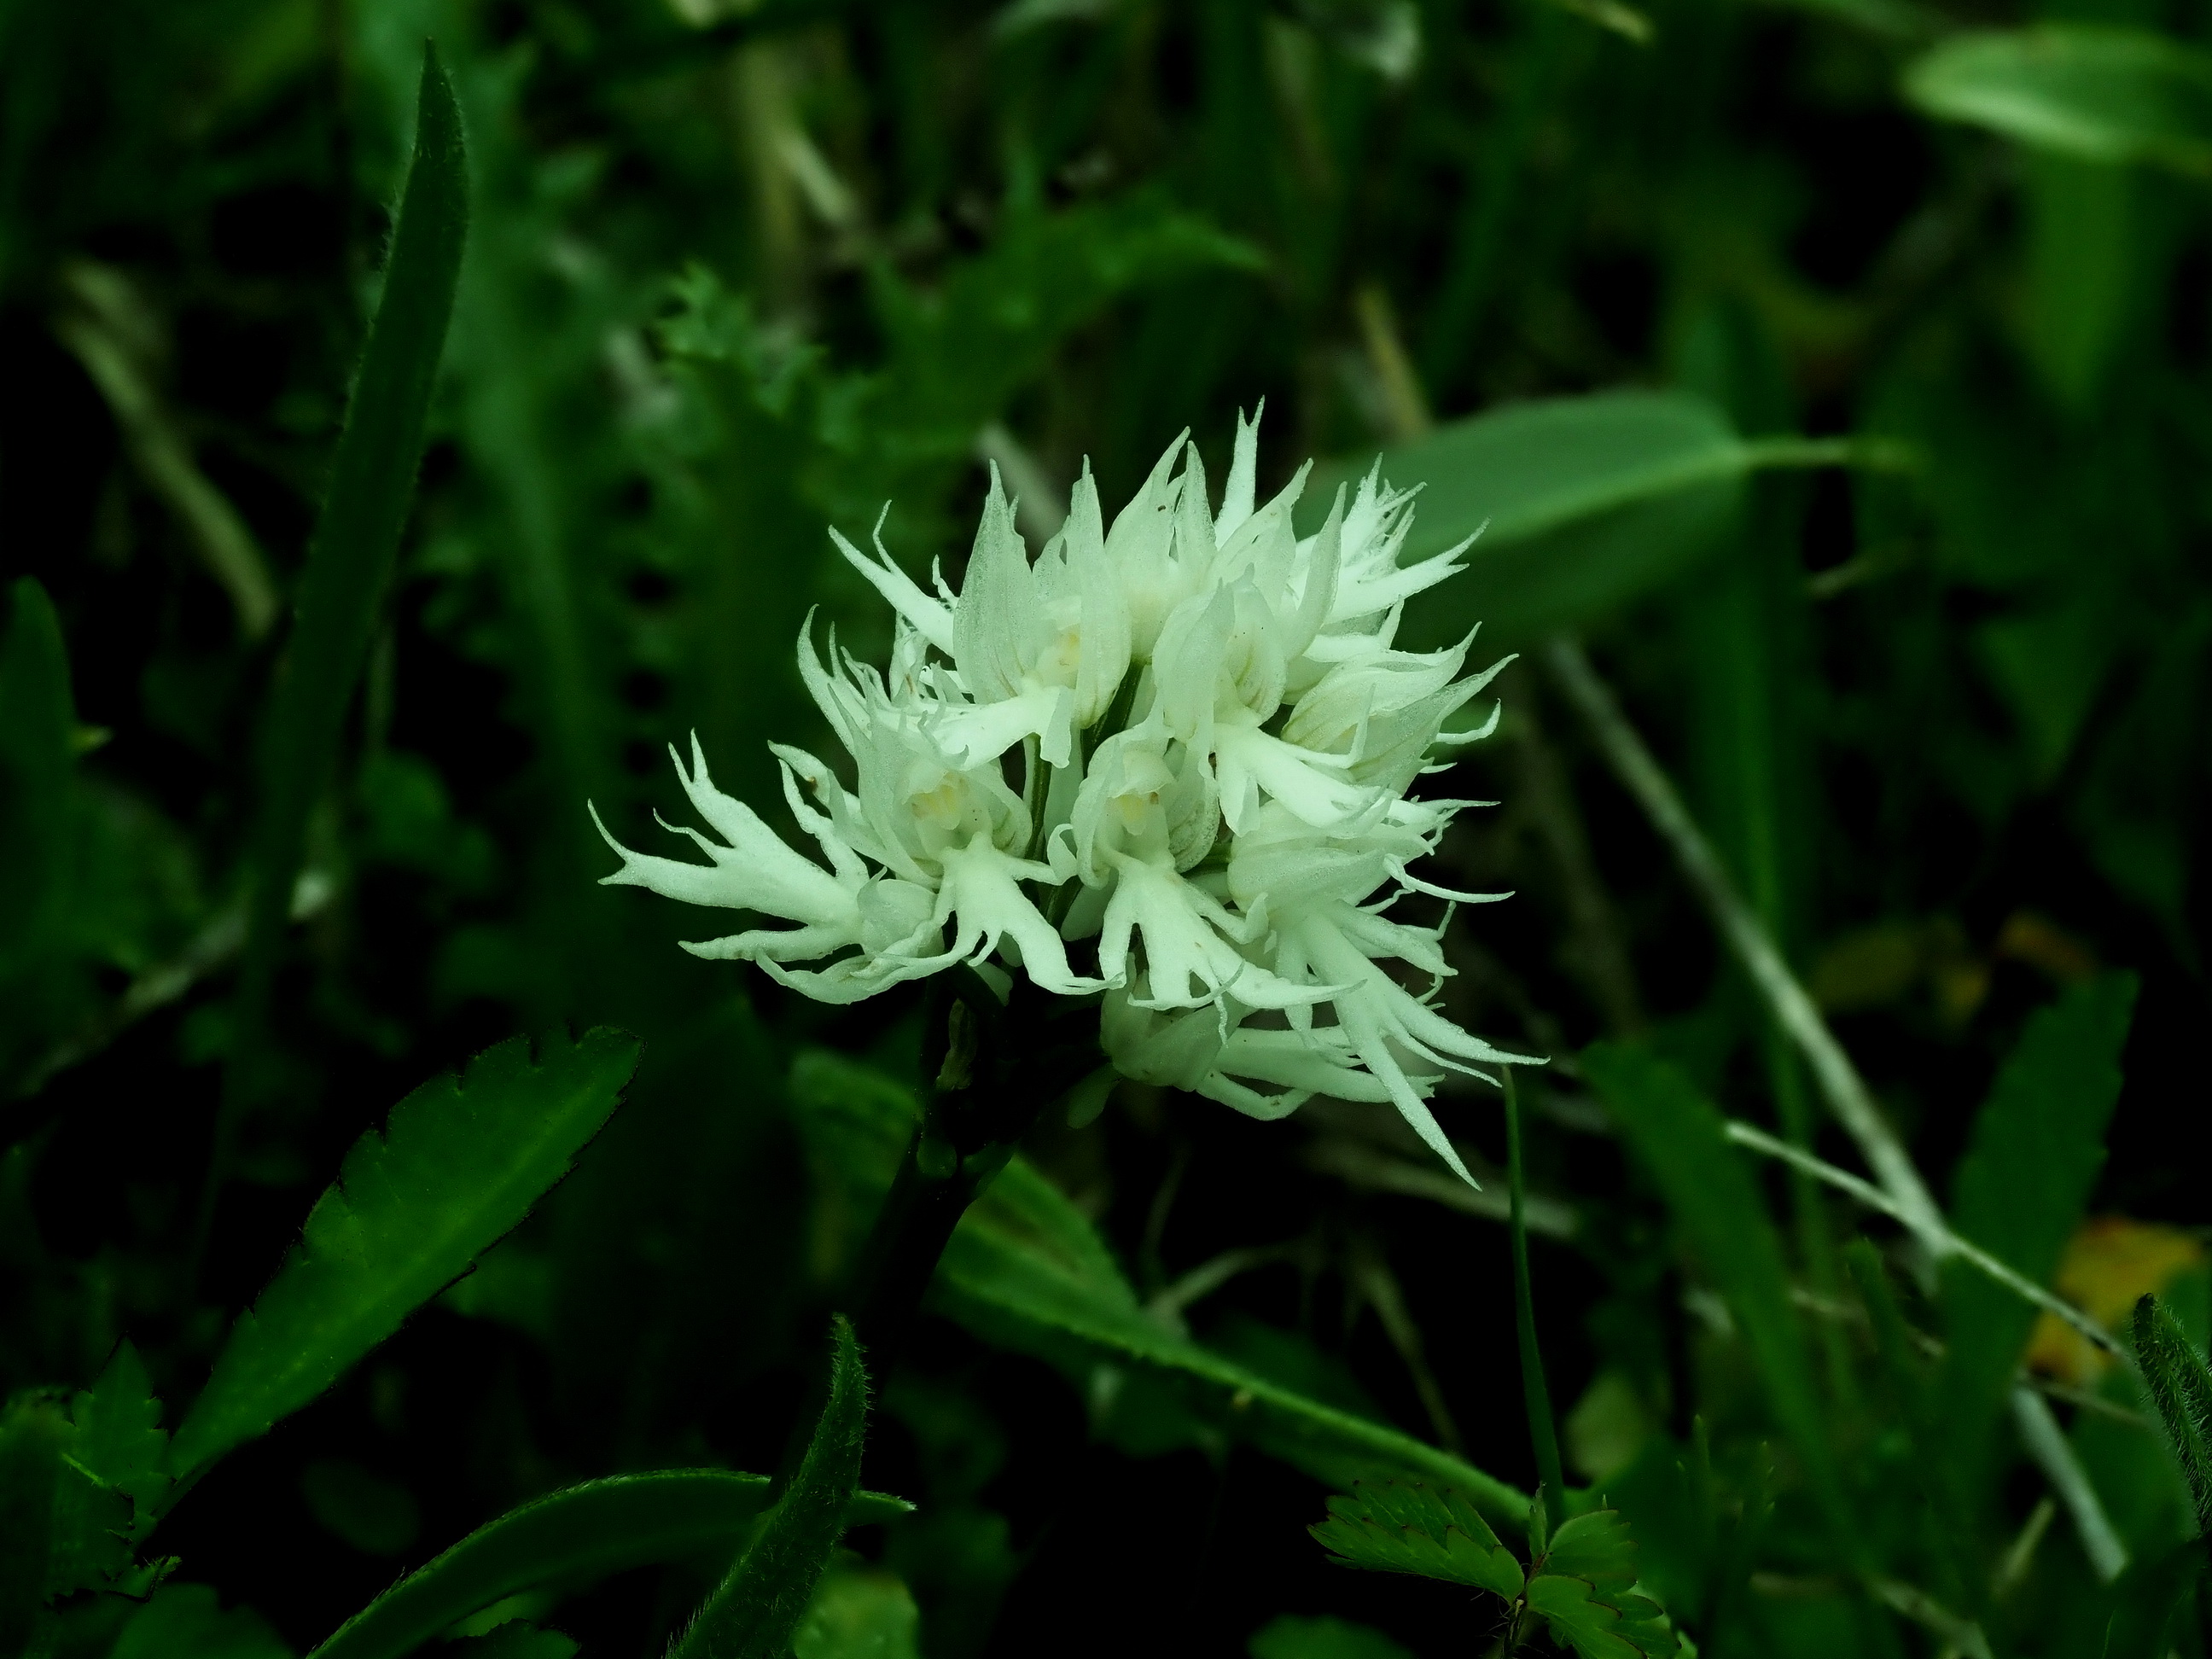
{"x": 993, "y": 1069}
{"x": 1541, "y": 1435}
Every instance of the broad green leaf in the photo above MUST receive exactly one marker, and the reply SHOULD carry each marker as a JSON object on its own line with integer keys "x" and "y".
{"x": 860, "y": 1615}
{"x": 1718, "y": 1208}
{"x": 755, "y": 1611}
{"x": 1024, "y": 1269}
{"x": 2096, "y": 93}
{"x": 1411, "y": 1526}
{"x": 2180, "y": 1386}
{"x": 365, "y": 509}
{"x": 1584, "y": 504}
{"x": 119, "y": 1438}
{"x": 458, "y": 1166}
{"x": 1292, "y": 1637}
{"x": 571, "y": 1537}
{"x": 2019, "y": 1191}
{"x": 187, "y": 1621}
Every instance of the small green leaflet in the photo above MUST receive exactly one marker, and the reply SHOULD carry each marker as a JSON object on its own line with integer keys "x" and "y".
{"x": 119, "y": 1438}
{"x": 1410, "y": 1526}
{"x": 75, "y": 1486}
{"x": 1580, "y": 1584}
{"x": 1583, "y": 1586}
{"x": 459, "y": 1165}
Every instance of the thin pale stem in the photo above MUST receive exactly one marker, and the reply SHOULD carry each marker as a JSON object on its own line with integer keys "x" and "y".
{"x": 2054, "y": 1455}
{"x": 1941, "y": 1241}
{"x": 1542, "y": 1434}
{"x": 1846, "y": 1091}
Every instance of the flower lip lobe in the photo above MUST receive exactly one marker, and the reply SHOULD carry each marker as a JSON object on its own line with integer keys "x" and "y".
{"x": 1214, "y": 739}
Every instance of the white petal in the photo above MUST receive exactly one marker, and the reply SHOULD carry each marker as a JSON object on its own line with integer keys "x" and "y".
{"x": 930, "y": 616}
{"x": 982, "y": 890}
{"x": 997, "y": 624}
{"x": 1243, "y": 472}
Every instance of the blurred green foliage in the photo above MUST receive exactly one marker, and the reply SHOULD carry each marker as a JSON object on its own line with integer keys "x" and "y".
{"x": 1841, "y": 370}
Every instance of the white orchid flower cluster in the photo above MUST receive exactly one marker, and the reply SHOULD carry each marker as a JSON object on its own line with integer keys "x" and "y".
{"x": 1213, "y": 739}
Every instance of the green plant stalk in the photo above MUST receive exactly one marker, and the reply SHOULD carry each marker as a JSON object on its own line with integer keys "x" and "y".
{"x": 349, "y": 563}
{"x": 1542, "y": 1436}
{"x": 993, "y": 1068}
{"x": 753, "y": 1612}
{"x": 2180, "y": 1386}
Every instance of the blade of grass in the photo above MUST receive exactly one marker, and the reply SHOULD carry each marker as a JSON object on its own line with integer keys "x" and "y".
{"x": 348, "y": 562}
{"x": 1541, "y": 1433}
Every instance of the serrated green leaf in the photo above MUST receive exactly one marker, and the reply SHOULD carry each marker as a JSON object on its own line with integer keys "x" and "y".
{"x": 1596, "y": 1626}
{"x": 459, "y": 1165}
{"x": 2096, "y": 93}
{"x": 187, "y": 1621}
{"x": 1584, "y": 504}
{"x": 62, "y": 1528}
{"x": 754, "y": 1612}
{"x": 1411, "y": 1526}
{"x": 119, "y": 1438}
{"x": 2019, "y": 1192}
{"x": 1718, "y": 1208}
{"x": 573, "y": 1536}
{"x": 90, "y": 1541}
